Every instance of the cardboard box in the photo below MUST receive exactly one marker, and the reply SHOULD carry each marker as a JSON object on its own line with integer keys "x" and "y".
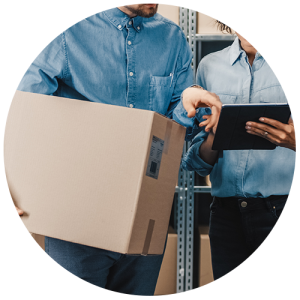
{"x": 166, "y": 282}
{"x": 205, "y": 266}
{"x": 93, "y": 174}
{"x": 40, "y": 239}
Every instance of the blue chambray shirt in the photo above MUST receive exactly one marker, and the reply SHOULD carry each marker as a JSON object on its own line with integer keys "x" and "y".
{"x": 110, "y": 58}
{"x": 239, "y": 173}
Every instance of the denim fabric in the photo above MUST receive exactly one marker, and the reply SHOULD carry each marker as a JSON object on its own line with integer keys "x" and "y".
{"x": 237, "y": 231}
{"x": 239, "y": 173}
{"x": 128, "y": 274}
{"x": 110, "y": 58}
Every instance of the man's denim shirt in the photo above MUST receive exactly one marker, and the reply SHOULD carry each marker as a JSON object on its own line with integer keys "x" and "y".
{"x": 239, "y": 173}
{"x": 110, "y": 58}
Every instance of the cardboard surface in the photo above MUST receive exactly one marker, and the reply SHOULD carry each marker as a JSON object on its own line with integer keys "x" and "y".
{"x": 40, "y": 239}
{"x": 166, "y": 283}
{"x": 78, "y": 170}
{"x": 205, "y": 266}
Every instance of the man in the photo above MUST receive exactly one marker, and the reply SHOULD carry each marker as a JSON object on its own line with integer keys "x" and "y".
{"x": 127, "y": 56}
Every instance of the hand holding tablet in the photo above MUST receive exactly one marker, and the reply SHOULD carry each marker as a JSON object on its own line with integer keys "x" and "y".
{"x": 276, "y": 132}
{"x": 232, "y": 134}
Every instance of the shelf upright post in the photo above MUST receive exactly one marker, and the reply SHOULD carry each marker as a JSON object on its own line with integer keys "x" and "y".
{"x": 180, "y": 205}
{"x": 189, "y": 230}
{"x": 184, "y": 208}
{"x": 180, "y": 225}
{"x": 184, "y": 204}
{"x": 192, "y": 31}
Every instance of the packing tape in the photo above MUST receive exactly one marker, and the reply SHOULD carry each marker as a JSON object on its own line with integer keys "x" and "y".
{"x": 148, "y": 237}
{"x": 167, "y": 136}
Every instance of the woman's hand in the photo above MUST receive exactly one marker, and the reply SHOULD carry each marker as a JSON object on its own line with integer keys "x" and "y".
{"x": 278, "y": 133}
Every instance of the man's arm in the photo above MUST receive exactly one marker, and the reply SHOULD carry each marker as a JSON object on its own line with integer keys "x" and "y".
{"x": 193, "y": 98}
{"x": 183, "y": 76}
{"x": 50, "y": 65}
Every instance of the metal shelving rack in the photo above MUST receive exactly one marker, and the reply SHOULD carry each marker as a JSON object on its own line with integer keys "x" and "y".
{"x": 184, "y": 204}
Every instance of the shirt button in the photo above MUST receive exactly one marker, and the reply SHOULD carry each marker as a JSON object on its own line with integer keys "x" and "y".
{"x": 131, "y": 74}
{"x": 138, "y": 28}
{"x": 129, "y": 43}
{"x": 119, "y": 26}
{"x": 131, "y": 105}
{"x": 130, "y": 22}
{"x": 244, "y": 204}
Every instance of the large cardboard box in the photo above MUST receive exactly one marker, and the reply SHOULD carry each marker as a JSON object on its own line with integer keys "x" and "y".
{"x": 205, "y": 267}
{"x": 93, "y": 174}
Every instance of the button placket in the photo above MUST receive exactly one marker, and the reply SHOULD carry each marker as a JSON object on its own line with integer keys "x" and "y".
{"x": 130, "y": 52}
{"x": 247, "y": 79}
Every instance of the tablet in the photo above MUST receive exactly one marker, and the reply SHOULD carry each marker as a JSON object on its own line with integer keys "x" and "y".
{"x": 231, "y": 132}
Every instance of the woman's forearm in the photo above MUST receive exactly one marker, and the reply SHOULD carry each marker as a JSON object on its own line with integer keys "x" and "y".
{"x": 205, "y": 151}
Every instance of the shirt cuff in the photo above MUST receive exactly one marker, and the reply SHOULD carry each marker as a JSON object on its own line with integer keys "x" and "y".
{"x": 180, "y": 115}
{"x": 191, "y": 124}
{"x": 193, "y": 162}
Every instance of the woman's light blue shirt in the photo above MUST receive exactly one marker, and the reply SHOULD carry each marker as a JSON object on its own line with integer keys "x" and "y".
{"x": 239, "y": 173}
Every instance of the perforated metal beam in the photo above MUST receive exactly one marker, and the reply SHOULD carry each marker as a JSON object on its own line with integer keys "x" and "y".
{"x": 184, "y": 208}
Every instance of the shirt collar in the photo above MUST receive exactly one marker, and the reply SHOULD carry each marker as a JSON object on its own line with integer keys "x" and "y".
{"x": 236, "y": 51}
{"x": 120, "y": 19}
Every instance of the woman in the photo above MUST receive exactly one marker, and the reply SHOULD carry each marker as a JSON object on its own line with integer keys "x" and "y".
{"x": 250, "y": 187}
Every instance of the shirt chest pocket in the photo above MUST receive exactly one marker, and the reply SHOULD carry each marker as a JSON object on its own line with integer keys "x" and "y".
{"x": 273, "y": 94}
{"x": 160, "y": 93}
{"x": 227, "y": 99}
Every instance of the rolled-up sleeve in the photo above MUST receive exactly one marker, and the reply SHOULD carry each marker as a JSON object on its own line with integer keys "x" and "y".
{"x": 191, "y": 124}
{"x": 192, "y": 161}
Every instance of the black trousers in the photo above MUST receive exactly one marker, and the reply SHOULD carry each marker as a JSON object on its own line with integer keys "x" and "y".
{"x": 238, "y": 226}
